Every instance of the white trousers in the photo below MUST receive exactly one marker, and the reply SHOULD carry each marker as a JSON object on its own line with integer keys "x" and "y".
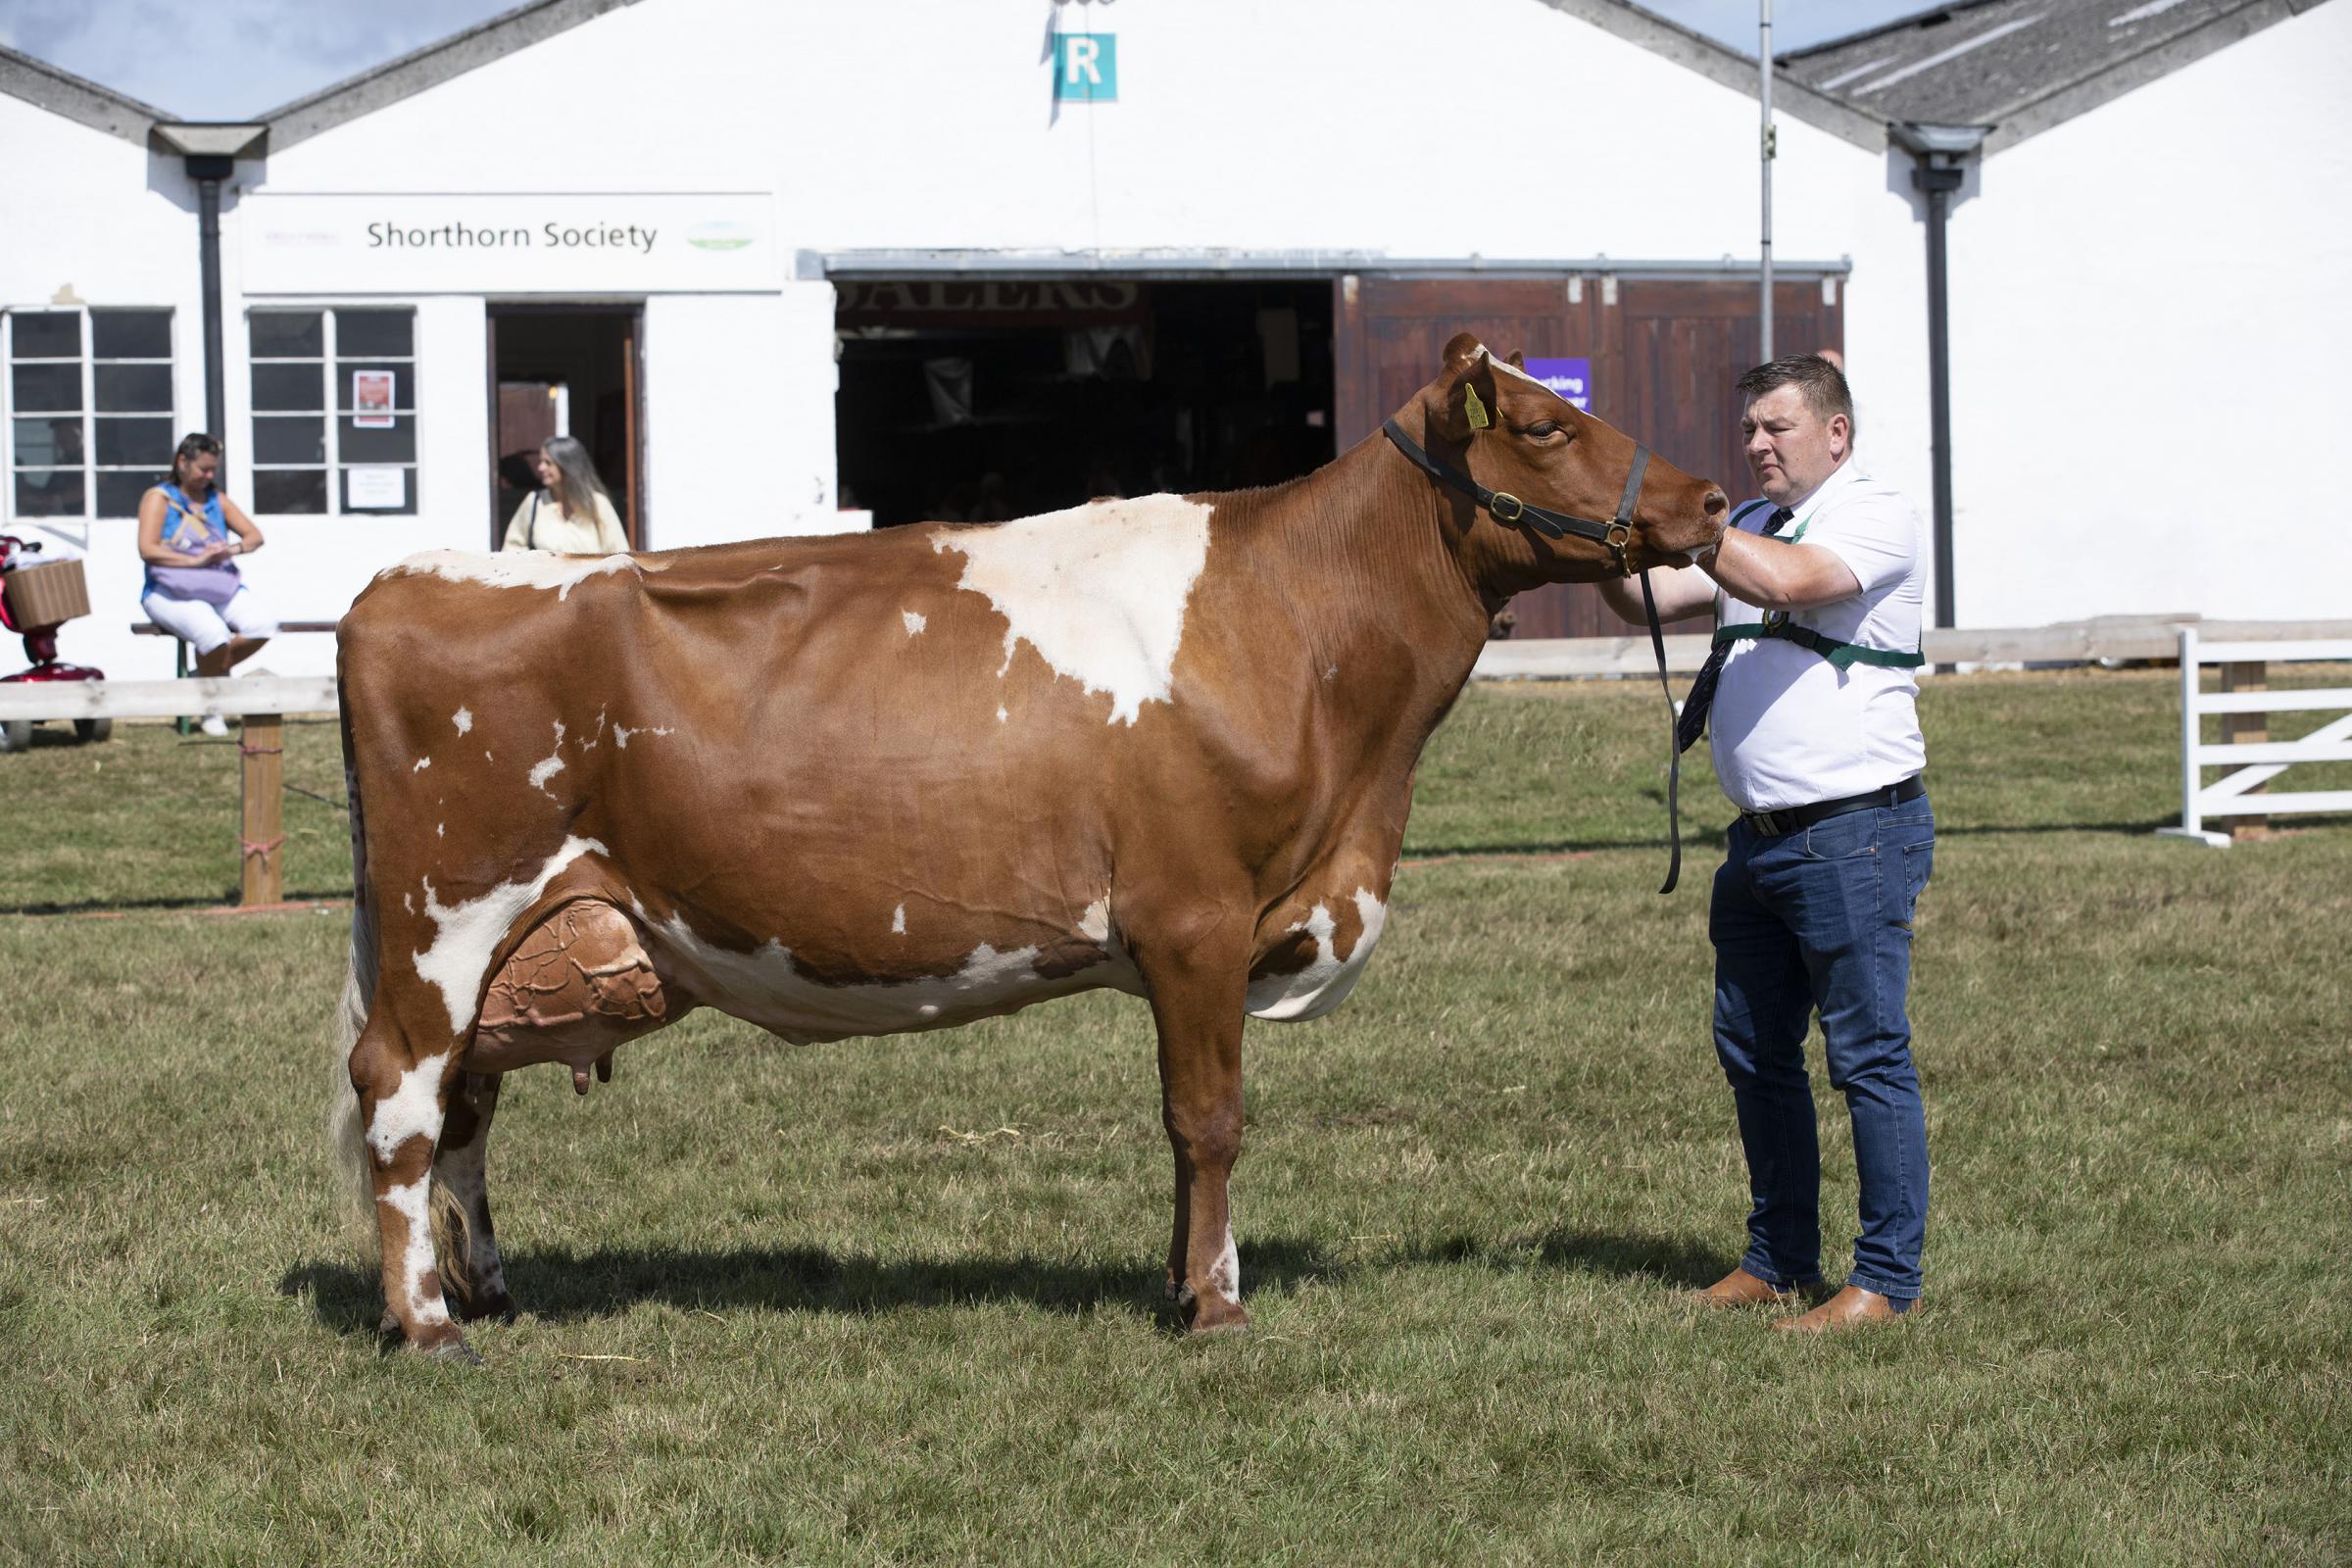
{"x": 205, "y": 627}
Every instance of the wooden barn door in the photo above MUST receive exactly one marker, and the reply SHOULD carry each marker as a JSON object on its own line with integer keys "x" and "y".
{"x": 1664, "y": 351}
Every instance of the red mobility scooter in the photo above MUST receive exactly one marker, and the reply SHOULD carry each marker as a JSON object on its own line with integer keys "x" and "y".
{"x": 37, "y": 597}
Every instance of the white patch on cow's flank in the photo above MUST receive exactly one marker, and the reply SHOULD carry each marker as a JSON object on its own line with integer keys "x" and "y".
{"x": 897, "y": 920}
{"x": 915, "y": 623}
{"x": 1098, "y": 591}
{"x": 765, "y": 987}
{"x": 463, "y": 718}
{"x": 550, "y": 766}
{"x": 622, "y": 734}
{"x": 422, "y": 762}
{"x": 440, "y": 830}
{"x": 1328, "y": 978}
{"x": 1094, "y": 923}
{"x": 467, "y": 935}
{"x": 517, "y": 569}
{"x": 1002, "y": 716}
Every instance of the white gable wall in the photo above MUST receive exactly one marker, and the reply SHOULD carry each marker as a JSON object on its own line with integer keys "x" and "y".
{"x": 2150, "y": 326}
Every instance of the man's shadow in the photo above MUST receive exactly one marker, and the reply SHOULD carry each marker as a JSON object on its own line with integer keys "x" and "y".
{"x": 563, "y": 1285}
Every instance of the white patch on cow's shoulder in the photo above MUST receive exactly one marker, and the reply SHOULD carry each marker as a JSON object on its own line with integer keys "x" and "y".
{"x": 897, "y": 920}
{"x": 550, "y": 766}
{"x": 1098, "y": 591}
{"x": 1328, "y": 978}
{"x": 517, "y": 569}
{"x": 915, "y": 623}
{"x": 622, "y": 734}
{"x": 463, "y": 718}
{"x": 1002, "y": 716}
{"x": 467, "y": 935}
{"x": 422, "y": 762}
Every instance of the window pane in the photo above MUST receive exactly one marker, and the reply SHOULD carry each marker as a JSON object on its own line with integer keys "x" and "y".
{"x": 49, "y": 493}
{"x": 132, "y": 388}
{"x": 131, "y": 334}
{"x": 396, "y": 445}
{"x": 403, "y": 383}
{"x": 118, "y": 493}
{"x": 373, "y": 332}
{"x": 407, "y": 494}
{"x": 48, "y": 443}
{"x": 289, "y": 490}
{"x": 288, "y": 387}
{"x": 39, "y": 388}
{"x": 145, "y": 442}
{"x": 49, "y": 336}
{"x": 290, "y": 440}
{"x": 286, "y": 335}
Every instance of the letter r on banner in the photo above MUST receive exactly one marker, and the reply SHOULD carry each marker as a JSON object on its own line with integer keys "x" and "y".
{"x": 1086, "y": 67}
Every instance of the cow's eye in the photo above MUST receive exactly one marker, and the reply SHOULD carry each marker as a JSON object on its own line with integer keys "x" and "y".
{"x": 1544, "y": 429}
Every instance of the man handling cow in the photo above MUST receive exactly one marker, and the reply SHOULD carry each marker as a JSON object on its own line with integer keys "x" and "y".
{"x": 1817, "y": 596}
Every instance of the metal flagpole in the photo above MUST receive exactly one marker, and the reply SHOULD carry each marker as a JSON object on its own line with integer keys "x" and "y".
{"x": 1767, "y": 149}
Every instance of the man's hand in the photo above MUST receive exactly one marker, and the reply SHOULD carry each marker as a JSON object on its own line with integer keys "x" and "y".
{"x": 1681, "y": 591}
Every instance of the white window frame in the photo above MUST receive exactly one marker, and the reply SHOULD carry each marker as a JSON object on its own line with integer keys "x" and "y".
{"x": 88, "y": 412}
{"x": 329, "y": 357}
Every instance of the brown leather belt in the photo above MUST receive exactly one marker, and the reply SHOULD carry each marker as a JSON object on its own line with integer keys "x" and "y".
{"x": 1788, "y": 818}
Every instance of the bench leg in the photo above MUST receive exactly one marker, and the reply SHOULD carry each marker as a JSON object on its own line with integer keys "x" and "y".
{"x": 180, "y": 671}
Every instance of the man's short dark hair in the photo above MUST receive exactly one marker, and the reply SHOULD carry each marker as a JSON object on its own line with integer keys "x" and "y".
{"x": 1822, "y": 383}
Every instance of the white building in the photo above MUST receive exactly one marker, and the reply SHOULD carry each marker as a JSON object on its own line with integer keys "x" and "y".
{"x": 794, "y": 268}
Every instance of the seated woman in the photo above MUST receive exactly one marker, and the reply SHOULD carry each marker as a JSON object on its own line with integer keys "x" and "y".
{"x": 191, "y": 535}
{"x": 572, "y": 515}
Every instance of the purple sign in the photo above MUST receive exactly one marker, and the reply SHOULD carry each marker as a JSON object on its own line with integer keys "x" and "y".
{"x": 1570, "y": 378}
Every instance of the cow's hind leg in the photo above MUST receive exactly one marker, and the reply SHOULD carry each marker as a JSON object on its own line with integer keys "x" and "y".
{"x": 472, "y": 1273}
{"x": 1198, "y": 1004}
{"x": 403, "y": 1098}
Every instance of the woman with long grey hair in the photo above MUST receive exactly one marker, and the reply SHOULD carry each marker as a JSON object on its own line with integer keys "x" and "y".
{"x": 570, "y": 513}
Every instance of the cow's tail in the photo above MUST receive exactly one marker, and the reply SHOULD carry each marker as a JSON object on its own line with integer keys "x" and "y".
{"x": 345, "y": 1136}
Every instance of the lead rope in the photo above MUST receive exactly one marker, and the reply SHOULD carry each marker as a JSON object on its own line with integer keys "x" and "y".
{"x": 1674, "y": 753}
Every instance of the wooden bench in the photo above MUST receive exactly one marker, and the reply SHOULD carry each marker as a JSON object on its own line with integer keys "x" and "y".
{"x": 179, "y": 654}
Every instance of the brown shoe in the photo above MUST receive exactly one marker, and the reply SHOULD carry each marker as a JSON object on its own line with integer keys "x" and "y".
{"x": 1739, "y": 1288}
{"x": 1850, "y": 1308}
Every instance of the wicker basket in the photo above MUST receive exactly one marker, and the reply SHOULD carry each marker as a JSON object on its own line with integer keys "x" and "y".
{"x": 47, "y": 594}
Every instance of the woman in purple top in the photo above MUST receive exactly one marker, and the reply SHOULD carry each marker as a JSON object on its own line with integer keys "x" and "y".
{"x": 190, "y": 536}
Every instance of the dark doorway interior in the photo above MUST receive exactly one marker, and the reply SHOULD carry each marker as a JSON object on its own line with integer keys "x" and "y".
{"x": 566, "y": 371}
{"x": 967, "y": 400}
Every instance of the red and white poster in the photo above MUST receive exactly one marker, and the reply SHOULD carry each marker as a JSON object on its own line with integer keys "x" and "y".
{"x": 371, "y": 399}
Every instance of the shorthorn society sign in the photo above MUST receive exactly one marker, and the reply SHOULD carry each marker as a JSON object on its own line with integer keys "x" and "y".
{"x": 409, "y": 243}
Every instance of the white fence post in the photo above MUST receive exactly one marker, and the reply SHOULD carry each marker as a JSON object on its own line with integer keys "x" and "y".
{"x": 2252, "y": 763}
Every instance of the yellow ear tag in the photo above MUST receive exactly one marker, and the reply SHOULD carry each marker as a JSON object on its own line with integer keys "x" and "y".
{"x": 1475, "y": 409}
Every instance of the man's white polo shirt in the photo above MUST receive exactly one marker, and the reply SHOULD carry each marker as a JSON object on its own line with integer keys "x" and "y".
{"x": 1789, "y": 728}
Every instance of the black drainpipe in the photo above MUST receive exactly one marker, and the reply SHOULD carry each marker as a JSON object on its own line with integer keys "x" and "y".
{"x": 209, "y": 171}
{"x": 1940, "y": 151}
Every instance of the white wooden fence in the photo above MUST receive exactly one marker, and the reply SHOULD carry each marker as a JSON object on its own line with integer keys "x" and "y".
{"x": 2245, "y": 748}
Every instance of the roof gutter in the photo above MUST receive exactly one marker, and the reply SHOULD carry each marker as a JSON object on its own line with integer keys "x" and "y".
{"x": 211, "y": 151}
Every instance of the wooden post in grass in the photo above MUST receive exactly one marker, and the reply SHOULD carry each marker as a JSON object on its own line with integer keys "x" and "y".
{"x": 2247, "y": 728}
{"x": 262, "y": 835}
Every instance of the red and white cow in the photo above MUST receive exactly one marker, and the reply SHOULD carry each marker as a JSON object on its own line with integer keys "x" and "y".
{"x": 867, "y": 783}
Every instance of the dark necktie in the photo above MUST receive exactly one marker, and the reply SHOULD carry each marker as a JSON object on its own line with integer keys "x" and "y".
{"x": 1703, "y": 690}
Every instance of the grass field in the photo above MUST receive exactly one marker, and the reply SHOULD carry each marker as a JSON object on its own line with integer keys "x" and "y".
{"x": 896, "y": 1300}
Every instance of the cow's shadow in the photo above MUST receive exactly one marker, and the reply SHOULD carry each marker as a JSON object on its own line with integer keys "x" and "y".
{"x": 563, "y": 1285}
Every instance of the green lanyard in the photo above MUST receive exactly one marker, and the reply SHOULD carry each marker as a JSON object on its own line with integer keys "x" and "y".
{"x": 1841, "y": 655}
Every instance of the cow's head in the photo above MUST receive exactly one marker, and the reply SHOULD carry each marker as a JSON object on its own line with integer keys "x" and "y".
{"x": 1511, "y": 433}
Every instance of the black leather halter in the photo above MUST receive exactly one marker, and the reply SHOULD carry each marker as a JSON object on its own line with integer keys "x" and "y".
{"x": 1617, "y": 534}
{"x": 1506, "y": 508}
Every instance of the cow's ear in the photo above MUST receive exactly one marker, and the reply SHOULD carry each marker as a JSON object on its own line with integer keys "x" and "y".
{"x": 1518, "y": 360}
{"x": 1465, "y": 396}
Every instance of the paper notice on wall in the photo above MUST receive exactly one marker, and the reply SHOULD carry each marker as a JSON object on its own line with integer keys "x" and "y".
{"x": 376, "y": 489}
{"x": 371, "y": 399}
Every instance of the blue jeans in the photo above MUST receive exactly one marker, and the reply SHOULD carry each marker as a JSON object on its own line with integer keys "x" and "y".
{"x": 1820, "y": 919}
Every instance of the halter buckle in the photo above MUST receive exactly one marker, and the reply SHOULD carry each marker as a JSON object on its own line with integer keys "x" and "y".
{"x": 1620, "y": 542}
{"x": 1506, "y": 507}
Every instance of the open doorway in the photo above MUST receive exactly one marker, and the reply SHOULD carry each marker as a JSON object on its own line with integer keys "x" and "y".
{"x": 565, "y": 369}
{"x": 981, "y": 399}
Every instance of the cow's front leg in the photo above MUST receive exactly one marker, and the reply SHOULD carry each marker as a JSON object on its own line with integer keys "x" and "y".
{"x": 403, "y": 1098}
{"x": 1198, "y": 1007}
{"x": 476, "y": 1275}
